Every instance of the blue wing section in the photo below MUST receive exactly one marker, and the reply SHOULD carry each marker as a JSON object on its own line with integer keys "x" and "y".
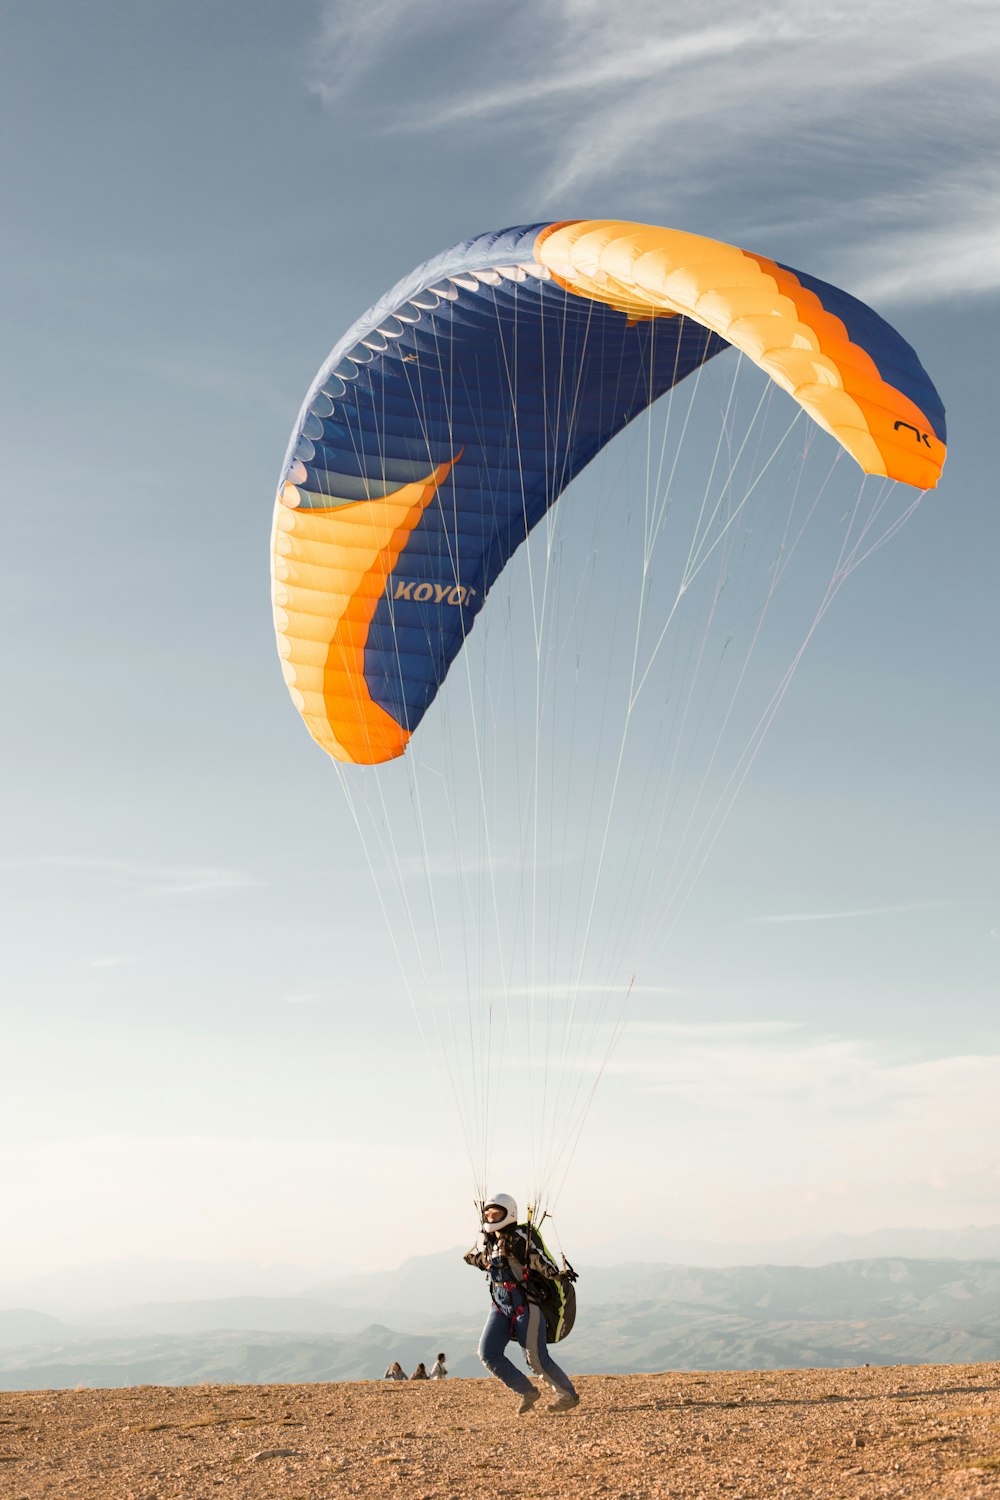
{"x": 480, "y": 358}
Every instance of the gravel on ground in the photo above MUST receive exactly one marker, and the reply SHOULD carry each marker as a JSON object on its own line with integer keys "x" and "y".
{"x": 862, "y": 1434}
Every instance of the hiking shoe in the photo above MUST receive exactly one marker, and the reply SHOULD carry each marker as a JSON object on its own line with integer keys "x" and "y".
{"x": 566, "y": 1402}
{"x": 528, "y": 1400}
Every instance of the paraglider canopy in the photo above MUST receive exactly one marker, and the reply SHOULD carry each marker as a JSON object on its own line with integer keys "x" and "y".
{"x": 585, "y": 736}
{"x": 453, "y": 414}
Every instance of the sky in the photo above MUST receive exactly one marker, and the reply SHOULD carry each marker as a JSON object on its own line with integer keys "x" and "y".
{"x": 208, "y": 1051}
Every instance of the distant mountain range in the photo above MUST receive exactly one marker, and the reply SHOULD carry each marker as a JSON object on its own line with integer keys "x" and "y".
{"x": 218, "y": 1358}
{"x": 89, "y": 1290}
{"x": 101, "y": 1291}
{"x": 974, "y": 1242}
{"x": 633, "y": 1318}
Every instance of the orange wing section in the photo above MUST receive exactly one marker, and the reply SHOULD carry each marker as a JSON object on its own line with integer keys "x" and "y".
{"x": 762, "y": 310}
{"x": 330, "y": 568}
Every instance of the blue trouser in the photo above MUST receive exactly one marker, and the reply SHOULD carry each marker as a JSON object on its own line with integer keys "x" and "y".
{"x": 528, "y": 1327}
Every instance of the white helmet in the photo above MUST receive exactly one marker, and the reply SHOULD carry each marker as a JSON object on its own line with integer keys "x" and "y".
{"x": 507, "y": 1203}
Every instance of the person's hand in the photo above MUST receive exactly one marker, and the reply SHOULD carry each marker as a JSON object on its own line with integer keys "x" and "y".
{"x": 471, "y": 1256}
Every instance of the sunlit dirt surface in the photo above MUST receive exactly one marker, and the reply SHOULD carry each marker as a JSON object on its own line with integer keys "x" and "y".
{"x": 886, "y": 1431}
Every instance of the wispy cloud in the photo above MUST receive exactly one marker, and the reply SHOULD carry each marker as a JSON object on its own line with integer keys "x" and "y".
{"x": 768, "y": 1072}
{"x": 568, "y": 990}
{"x": 461, "y": 865}
{"x": 848, "y": 914}
{"x": 825, "y": 1132}
{"x": 151, "y": 878}
{"x": 351, "y": 41}
{"x": 877, "y": 124}
{"x": 711, "y": 1031}
{"x": 597, "y": 71}
{"x": 761, "y": 1069}
{"x": 465, "y": 864}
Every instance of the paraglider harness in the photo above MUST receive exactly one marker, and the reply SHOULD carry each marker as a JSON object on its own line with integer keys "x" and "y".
{"x": 555, "y": 1296}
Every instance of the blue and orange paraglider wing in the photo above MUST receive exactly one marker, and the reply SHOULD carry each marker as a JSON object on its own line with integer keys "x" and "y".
{"x": 453, "y": 414}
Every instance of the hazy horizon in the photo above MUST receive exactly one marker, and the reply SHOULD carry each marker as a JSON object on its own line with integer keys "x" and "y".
{"x": 140, "y": 1279}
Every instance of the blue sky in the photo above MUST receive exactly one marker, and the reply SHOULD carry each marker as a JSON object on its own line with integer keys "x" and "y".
{"x": 208, "y": 1050}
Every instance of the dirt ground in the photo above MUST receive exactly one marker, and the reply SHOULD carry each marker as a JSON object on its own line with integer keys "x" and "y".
{"x": 885, "y": 1431}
